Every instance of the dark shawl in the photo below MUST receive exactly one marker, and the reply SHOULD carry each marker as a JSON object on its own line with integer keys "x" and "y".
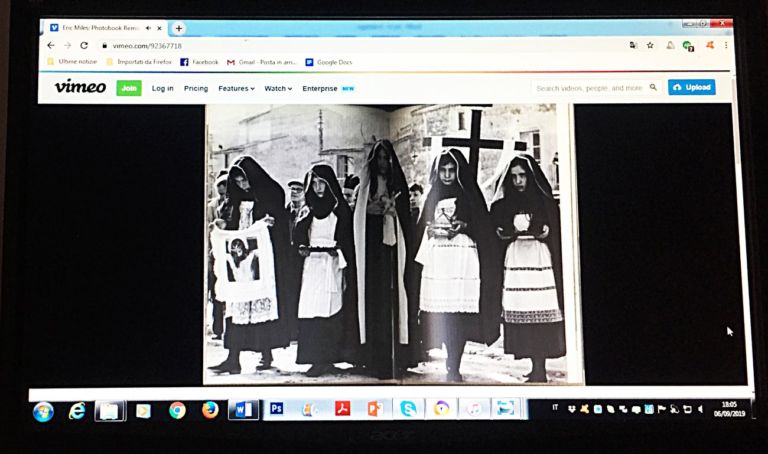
{"x": 265, "y": 191}
{"x": 470, "y": 208}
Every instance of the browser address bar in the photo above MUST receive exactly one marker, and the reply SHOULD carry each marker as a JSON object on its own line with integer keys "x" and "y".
{"x": 600, "y": 87}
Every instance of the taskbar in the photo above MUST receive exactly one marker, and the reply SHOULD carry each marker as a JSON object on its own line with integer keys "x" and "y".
{"x": 244, "y": 410}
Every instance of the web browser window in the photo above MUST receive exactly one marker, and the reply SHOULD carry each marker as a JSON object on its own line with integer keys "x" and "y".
{"x": 378, "y": 220}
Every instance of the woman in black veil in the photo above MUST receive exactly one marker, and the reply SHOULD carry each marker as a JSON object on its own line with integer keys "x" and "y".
{"x": 457, "y": 265}
{"x": 252, "y": 195}
{"x": 527, "y": 221}
{"x": 387, "y": 317}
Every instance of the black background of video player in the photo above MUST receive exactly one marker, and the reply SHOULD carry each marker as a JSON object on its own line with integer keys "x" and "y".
{"x": 660, "y": 273}
{"x": 112, "y": 241}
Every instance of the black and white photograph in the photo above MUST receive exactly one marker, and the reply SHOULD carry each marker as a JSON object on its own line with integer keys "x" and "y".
{"x": 391, "y": 244}
{"x": 242, "y": 261}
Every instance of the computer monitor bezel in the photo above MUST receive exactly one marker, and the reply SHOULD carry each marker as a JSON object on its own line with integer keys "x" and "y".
{"x": 749, "y": 17}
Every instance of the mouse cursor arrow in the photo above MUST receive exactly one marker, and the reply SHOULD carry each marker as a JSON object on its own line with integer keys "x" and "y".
{"x": 728, "y": 331}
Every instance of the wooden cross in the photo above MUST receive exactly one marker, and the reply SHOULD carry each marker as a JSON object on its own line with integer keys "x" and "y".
{"x": 475, "y": 143}
{"x": 227, "y": 152}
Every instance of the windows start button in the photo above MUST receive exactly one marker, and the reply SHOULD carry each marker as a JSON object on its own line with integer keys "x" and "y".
{"x": 683, "y": 87}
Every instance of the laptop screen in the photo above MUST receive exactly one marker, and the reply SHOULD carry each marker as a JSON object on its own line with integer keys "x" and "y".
{"x": 259, "y": 221}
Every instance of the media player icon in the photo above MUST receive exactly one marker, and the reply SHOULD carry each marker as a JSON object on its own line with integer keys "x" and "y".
{"x": 143, "y": 411}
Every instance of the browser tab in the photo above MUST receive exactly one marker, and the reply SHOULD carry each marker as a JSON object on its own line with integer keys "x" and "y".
{"x": 103, "y": 27}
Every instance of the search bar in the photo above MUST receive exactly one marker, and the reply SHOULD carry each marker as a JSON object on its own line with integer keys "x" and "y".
{"x": 599, "y": 87}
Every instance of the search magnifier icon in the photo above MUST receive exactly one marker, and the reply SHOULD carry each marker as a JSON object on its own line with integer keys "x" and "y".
{"x": 653, "y": 87}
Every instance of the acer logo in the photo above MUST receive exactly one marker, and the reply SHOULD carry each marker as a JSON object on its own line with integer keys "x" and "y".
{"x": 392, "y": 435}
{"x": 70, "y": 87}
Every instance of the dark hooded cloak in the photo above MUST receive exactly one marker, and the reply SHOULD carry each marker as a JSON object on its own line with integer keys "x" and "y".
{"x": 470, "y": 208}
{"x": 268, "y": 197}
{"x": 388, "y": 317}
{"x": 535, "y": 339}
{"x": 345, "y": 328}
{"x": 538, "y": 200}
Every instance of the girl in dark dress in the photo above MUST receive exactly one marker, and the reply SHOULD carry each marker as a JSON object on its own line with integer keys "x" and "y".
{"x": 456, "y": 263}
{"x": 527, "y": 221}
{"x": 328, "y": 292}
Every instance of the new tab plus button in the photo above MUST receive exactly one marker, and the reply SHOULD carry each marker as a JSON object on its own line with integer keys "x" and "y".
{"x": 687, "y": 87}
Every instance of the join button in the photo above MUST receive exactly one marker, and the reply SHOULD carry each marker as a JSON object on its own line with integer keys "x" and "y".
{"x": 696, "y": 87}
{"x": 128, "y": 88}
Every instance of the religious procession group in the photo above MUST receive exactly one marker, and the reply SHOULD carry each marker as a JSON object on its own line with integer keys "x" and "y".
{"x": 374, "y": 278}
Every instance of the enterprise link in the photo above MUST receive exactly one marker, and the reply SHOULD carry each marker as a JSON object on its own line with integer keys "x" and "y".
{"x": 319, "y": 88}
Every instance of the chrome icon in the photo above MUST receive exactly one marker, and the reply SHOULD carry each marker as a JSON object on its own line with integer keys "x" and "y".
{"x": 43, "y": 412}
{"x": 442, "y": 408}
{"x": 177, "y": 410}
{"x": 210, "y": 410}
